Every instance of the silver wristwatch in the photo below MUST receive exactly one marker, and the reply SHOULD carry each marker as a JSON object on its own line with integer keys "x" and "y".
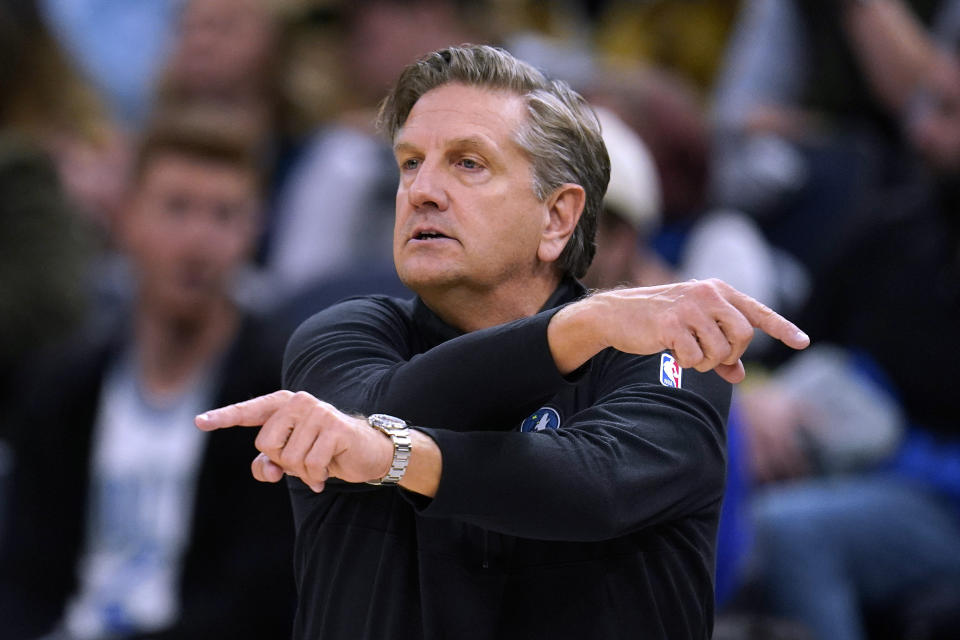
{"x": 398, "y": 432}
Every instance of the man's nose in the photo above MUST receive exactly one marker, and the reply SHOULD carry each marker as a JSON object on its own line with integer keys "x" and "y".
{"x": 428, "y": 187}
{"x": 200, "y": 227}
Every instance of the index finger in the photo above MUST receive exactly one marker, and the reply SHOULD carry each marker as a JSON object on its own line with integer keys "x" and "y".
{"x": 249, "y": 413}
{"x": 769, "y": 321}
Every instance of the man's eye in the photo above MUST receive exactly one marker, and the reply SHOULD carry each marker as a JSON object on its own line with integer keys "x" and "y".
{"x": 409, "y": 164}
{"x": 469, "y": 163}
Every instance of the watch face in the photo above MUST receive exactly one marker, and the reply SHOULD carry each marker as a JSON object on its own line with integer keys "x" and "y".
{"x": 388, "y": 423}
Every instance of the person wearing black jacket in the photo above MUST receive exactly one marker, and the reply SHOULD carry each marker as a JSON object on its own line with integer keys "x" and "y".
{"x": 534, "y": 463}
{"x": 236, "y": 579}
{"x": 123, "y": 521}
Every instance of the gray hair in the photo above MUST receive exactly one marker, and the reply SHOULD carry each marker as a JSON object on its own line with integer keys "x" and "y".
{"x": 561, "y": 136}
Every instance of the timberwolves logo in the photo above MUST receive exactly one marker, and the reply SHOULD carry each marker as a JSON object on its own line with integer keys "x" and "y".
{"x": 545, "y": 418}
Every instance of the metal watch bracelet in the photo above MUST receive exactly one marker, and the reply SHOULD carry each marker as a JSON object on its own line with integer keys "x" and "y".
{"x": 398, "y": 432}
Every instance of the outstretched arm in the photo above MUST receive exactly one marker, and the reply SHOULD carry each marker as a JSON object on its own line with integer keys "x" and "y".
{"x": 707, "y": 324}
{"x": 667, "y": 444}
{"x": 312, "y": 440}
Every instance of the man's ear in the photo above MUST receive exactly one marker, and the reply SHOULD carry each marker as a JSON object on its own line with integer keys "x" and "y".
{"x": 563, "y": 209}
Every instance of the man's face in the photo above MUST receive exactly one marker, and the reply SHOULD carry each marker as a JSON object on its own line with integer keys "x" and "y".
{"x": 224, "y": 45}
{"x": 467, "y": 215}
{"x": 189, "y": 225}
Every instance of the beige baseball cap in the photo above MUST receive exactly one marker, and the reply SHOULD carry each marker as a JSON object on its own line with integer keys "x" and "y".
{"x": 634, "y": 189}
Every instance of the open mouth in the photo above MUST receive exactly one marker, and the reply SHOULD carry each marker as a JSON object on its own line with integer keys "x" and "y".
{"x": 429, "y": 235}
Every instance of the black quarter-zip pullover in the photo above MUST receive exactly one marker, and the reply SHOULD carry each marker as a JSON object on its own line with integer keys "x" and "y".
{"x": 583, "y": 506}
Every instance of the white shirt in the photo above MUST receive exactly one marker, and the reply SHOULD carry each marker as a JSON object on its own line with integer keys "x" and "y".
{"x": 146, "y": 456}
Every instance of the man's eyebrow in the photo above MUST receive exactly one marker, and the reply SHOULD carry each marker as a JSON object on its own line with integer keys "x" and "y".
{"x": 404, "y": 146}
{"x": 468, "y": 142}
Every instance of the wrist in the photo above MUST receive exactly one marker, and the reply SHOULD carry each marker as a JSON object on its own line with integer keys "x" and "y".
{"x": 384, "y": 454}
{"x": 426, "y": 465}
{"x": 575, "y": 333}
{"x": 396, "y": 437}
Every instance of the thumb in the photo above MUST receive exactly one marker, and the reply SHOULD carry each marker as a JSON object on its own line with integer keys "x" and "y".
{"x": 265, "y": 470}
{"x": 732, "y": 373}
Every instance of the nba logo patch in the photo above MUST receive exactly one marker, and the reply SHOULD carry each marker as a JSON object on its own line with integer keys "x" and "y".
{"x": 545, "y": 418}
{"x": 670, "y": 371}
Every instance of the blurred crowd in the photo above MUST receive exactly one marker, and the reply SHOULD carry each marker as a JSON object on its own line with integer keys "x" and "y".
{"x": 182, "y": 182}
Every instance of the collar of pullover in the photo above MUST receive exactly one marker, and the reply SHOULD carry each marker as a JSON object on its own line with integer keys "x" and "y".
{"x": 436, "y": 329}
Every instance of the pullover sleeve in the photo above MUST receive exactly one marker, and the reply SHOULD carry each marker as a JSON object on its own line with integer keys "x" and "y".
{"x": 639, "y": 456}
{"x": 360, "y": 356}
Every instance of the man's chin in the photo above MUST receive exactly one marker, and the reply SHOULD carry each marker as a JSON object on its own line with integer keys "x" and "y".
{"x": 189, "y": 304}
{"x": 421, "y": 279}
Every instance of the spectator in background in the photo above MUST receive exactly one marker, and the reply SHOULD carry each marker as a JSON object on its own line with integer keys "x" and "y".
{"x": 45, "y": 244}
{"x": 225, "y": 53}
{"x": 685, "y": 37}
{"x": 872, "y": 553}
{"x": 123, "y": 523}
{"x": 46, "y": 101}
{"x": 43, "y": 253}
{"x": 811, "y": 111}
{"x": 119, "y": 45}
{"x": 631, "y": 212}
{"x": 666, "y": 111}
{"x": 695, "y": 237}
{"x": 881, "y": 542}
{"x": 238, "y": 55}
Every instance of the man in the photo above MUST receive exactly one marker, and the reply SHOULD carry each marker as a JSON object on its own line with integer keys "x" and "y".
{"x": 124, "y": 522}
{"x": 600, "y": 521}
